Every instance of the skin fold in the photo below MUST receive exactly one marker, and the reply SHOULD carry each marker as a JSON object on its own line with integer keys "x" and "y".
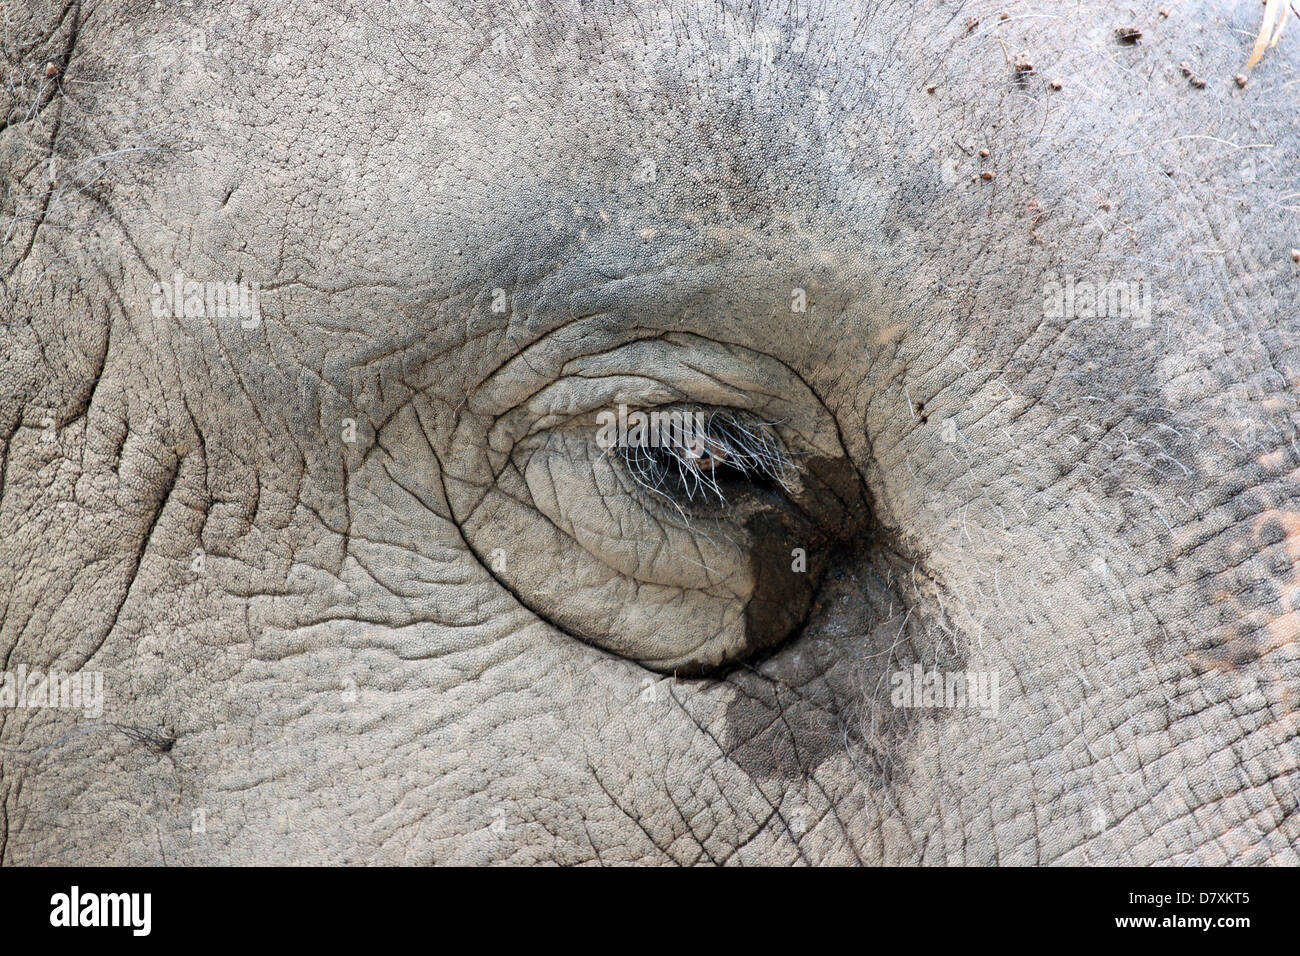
{"x": 363, "y": 587}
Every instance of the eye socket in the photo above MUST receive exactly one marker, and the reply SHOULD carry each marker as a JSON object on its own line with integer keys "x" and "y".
{"x": 708, "y": 458}
{"x": 686, "y": 555}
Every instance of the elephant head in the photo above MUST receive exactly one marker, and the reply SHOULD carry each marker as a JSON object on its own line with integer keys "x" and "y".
{"x": 648, "y": 432}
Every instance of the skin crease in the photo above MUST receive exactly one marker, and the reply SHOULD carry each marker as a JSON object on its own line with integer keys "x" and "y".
{"x": 353, "y": 675}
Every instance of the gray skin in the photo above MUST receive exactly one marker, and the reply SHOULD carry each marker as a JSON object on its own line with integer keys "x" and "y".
{"x": 462, "y": 634}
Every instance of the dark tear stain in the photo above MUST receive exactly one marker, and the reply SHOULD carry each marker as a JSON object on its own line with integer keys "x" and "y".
{"x": 845, "y": 628}
{"x": 831, "y": 510}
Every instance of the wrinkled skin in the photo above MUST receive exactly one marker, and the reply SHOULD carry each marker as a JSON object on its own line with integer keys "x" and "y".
{"x": 464, "y": 635}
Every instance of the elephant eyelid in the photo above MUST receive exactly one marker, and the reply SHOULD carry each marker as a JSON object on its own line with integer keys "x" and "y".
{"x": 717, "y": 444}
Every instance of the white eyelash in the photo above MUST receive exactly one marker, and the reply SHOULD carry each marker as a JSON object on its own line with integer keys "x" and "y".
{"x": 747, "y": 446}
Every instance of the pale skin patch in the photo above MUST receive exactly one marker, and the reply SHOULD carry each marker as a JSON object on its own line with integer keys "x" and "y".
{"x": 1260, "y": 650}
{"x": 1262, "y": 631}
{"x": 1285, "y": 627}
{"x": 890, "y": 333}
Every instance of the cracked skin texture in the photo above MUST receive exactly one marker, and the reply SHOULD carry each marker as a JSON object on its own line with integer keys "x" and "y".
{"x": 446, "y": 640}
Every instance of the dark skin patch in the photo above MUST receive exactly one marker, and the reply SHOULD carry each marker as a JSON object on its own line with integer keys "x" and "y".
{"x": 830, "y": 694}
{"x": 832, "y": 510}
{"x": 773, "y": 733}
{"x": 801, "y": 705}
{"x": 1252, "y": 603}
{"x": 777, "y": 526}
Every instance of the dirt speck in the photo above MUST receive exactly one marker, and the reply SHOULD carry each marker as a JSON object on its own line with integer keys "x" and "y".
{"x": 1192, "y": 78}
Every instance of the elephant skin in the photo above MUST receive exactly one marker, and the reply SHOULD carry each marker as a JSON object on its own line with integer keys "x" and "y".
{"x": 308, "y": 309}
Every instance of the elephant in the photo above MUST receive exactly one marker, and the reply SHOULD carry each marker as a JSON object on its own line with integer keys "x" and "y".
{"x": 649, "y": 432}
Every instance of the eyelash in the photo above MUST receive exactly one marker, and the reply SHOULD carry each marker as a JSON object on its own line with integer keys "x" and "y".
{"x": 691, "y": 464}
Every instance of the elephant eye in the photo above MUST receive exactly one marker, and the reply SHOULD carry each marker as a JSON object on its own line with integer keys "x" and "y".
{"x": 702, "y": 457}
{"x": 670, "y": 499}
